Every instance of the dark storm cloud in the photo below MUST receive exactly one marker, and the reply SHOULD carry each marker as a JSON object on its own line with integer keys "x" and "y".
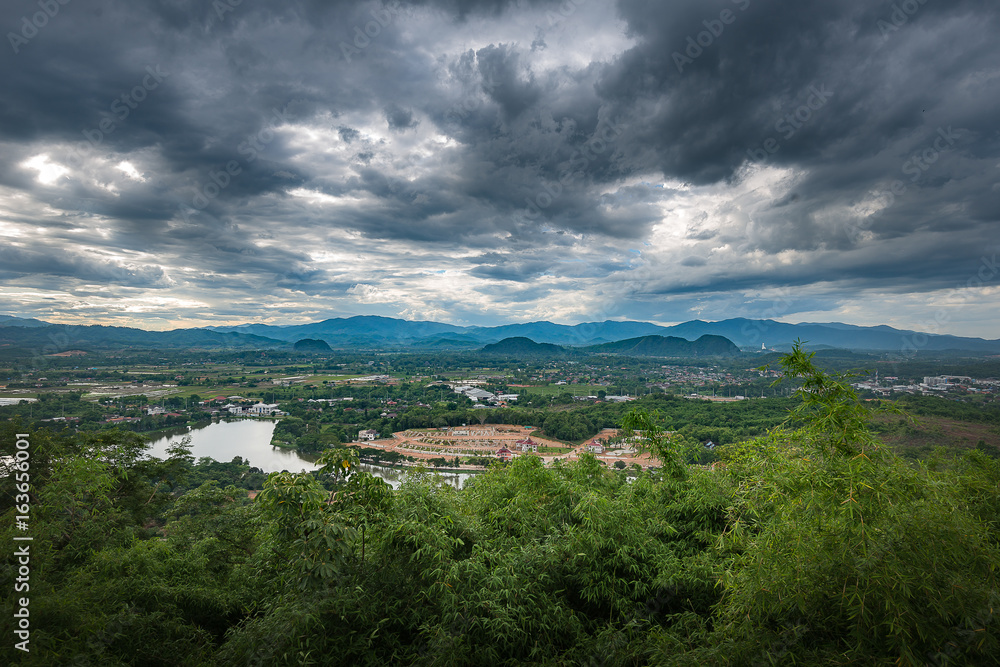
{"x": 241, "y": 140}
{"x": 399, "y": 118}
{"x": 348, "y": 134}
{"x": 767, "y": 62}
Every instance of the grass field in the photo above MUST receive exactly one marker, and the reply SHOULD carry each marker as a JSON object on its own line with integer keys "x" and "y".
{"x": 920, "y": 438}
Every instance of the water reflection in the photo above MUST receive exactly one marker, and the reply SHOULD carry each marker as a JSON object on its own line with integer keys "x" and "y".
{"x": 251, "y": 439}
{"x": 222, "y": 441}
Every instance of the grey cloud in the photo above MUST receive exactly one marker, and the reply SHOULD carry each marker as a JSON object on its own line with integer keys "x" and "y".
{"x": 399, "y": 118}
{"x": 515, "y": 171}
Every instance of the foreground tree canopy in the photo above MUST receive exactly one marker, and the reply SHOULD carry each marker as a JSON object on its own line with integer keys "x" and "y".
{"x": 811, "y": 546}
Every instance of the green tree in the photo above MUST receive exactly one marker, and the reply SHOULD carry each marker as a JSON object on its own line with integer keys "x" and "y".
{"x": 842, "y": 551}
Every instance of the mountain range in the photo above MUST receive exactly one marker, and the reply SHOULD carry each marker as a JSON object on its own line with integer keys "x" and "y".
{"x": 707, "y": 345}
{"x": 368, "y": 332}
{"x": 643, "y": 346}
{"x": 745, "y": 333}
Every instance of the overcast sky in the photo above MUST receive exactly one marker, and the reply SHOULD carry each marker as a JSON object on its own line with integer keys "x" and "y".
{"x": 183, "y": 162}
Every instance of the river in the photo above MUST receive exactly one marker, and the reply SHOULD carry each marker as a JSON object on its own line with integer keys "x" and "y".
{"x": 251, "y": 439}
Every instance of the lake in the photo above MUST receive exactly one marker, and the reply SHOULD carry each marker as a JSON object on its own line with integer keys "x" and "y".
{"x": 251, "y": 439}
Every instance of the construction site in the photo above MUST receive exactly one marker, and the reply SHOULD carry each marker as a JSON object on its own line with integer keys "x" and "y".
{"x": 505, "y": 442}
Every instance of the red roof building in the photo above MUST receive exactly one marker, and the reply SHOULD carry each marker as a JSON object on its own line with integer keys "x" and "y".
{"x": 526, "y": 445}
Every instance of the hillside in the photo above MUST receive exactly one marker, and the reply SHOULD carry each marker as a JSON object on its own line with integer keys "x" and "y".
{"x": 744, "y": 333}
{"x": 370, "y": 332}
{"x": 9, "y": 321}
{"x": 59, "y": 338}
{"x": 669, "y": 346}
{"x": 520, "y": 347}
{"x": 311, "y": 345}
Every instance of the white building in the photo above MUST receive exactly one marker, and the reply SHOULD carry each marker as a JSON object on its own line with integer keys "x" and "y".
{"x": 479, "y": 395}
{"x": 947, "y": 380}
{"x": 368, "y": 434}
{"x": 527, "y": 445}
{"x": 263, "y": 409}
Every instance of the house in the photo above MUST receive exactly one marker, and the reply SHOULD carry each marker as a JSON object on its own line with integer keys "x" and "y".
{"x": 368, "y": 434}
{"x": 505, "y": 454}
{"x": 526, "y": 445}
{"x": 595, "y": 448}
{"x": 263, "y": 409}
{"x": 480, "y": 395}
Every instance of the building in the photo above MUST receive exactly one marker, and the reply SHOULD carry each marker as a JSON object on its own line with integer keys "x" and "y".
{"x": 505, "y": 454}
{"x": 368, "y": 434}
{"x": 595, "y": 448}
{"x": 263, "y": 409}
{"x": 480, "y": 395}
{"x": 527, "y": 445}
{"x": 945, "y": 381}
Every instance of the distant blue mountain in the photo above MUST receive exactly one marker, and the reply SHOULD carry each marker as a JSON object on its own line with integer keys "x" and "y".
{"x": 669, "y": 346}
{"x": 360, "y": 330}
{"x": 745, "y": 333}
{"x": 386, "y": 332}
{"x": 11, "y": 321}
{"x": 779, "y": 335}
{"x": 62, "y": 337}
{"x": 519, "y": 346}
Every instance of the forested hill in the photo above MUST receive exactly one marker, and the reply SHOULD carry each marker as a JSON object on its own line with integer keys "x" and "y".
{"x": 60, "y": 337}
{"x": 669, "y": 346}
{"x": 311, "y": 345}
{"x": 521, "y": 346}
{"x": 813, "y": 546}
